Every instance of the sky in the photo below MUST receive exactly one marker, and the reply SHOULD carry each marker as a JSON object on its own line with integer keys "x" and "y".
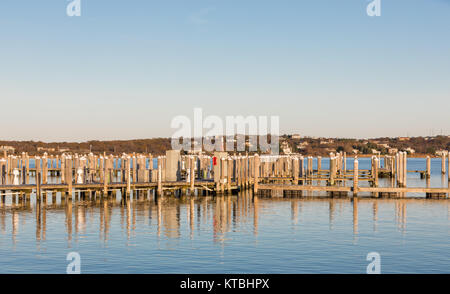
{"x": 125, "y": 69}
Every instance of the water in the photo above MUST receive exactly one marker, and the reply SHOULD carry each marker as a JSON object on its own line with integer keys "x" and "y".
{"x": 232, "y": 234}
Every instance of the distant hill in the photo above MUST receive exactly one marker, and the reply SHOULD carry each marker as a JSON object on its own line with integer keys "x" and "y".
{"x": 155, "y": 146}
{"x": 304, "y": 145}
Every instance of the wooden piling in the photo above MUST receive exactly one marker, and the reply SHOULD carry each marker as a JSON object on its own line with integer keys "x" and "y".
{"x": 345, "y": 163}
{"x": 105, "y": 178}
{"x": 128, "y": 173}
{"x": 222, "y": 174}
{"x": 44, "y": 168}
{"x": 332, "y": 170}
{"x": 256, "y": 173}
{"x": 229, "y": 173}
{"x": 159, "y": 190}
{"x": 192, "y": 162}
{"x": 63, "y": 169}
{"x": 69, "y": 169}
{"x": 398, "y": 172}
{"x": 134, "y": 168}
{"x": 246, "y": 169}
{"x": 355, "y": 177}
{"x": 38, "y": 187}
{"x": 443, "y": 164}
{"x": 448, "y": 167}
{"x": 405, "y": 169}
{"x": 295, "y": 166}
{"x": 376, "y": 165}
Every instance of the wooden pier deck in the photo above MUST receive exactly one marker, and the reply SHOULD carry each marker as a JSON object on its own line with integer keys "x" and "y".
{"x": 351, "y": 189}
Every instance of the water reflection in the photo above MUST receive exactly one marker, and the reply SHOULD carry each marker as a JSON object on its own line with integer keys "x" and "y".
{"x": 400, "y": 216}
{"x": 171, "y": 217}
{"x": 331, "y": 209}
{"x": 375, "y": 215}
{"x": 355, "y": 216}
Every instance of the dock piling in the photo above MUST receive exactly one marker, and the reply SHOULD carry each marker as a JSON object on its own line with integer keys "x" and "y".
{"x": 355, "y": 177}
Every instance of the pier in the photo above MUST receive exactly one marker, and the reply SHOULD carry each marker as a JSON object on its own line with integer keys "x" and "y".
{"x": 221, "y": 173}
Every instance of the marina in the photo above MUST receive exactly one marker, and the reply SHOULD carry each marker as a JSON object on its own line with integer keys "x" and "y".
{"x": 217, "y": 174}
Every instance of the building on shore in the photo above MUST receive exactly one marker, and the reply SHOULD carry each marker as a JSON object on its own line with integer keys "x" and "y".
{"x": 8, "y": 149}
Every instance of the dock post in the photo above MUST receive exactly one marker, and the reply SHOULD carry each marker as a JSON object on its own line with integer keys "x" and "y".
{"x": 310, "y": 166}
{"x": 150, "y": 166}
{"x": 22, "y": 164}
{"x": 38, "y": 187}
{"x": 105, "y": 179}
{"x": 443, "y": 163}
{"x": 400, "y": 168}
{"x": 159, "y": 191}
{"x": 27, "y": 164}
{"x": 222, "y": 174}
{"x": 295, "y": 167}
{"x": 44, "y": 168}
{"x": 242, "y": 172}
{"x": 217, "y": 172}
{"x": 247, "y": 169}
{"x": 101, "y": 168}
{"x": 301, "y": 164}
{"x": 134, "y": 167}
{"x": 392, "y": 166}
{"x": 229, "y": 173}
{"x": 192, "y": 175}
{"x": 237, "y": 175}
{"x": 397, "y": 168}
{"x": 69, "y": 175}
{"x": 372, "y": 169}
{"x": 63, "y": 168}
{"x": 128, "y": 177}
{"x": 376, "y": 171}
{"x": 3, "y": 171}
{"x": 448, "y": 166}
{"x": 332, "y": 169}
{"x": 339, "y": 163}
{"x": 405, "y": 170}
{"x": 24, "y": 175}
{"x": 123, "y": 169}
{"x": 344, "y": 168}
{"x": 355, "y": 177}
{"x": 256, "y": 173}
{"x": 428, "y": 172}
{"x": 37, "y": 165}
{"x": 8, "y": 165}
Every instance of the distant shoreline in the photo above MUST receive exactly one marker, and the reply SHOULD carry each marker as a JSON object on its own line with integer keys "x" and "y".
{"x": 417, "y": 147}
{"x": 409, "y": 155}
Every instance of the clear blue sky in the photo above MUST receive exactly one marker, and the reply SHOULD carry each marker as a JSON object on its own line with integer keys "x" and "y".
{"x": 124, "y": 69}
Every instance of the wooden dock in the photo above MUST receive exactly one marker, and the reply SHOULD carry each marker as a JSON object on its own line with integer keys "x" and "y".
{"x": 215, "y": 174}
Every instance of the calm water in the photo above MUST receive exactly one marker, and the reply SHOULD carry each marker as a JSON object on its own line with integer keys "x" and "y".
{"x": 233, "y": 234}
